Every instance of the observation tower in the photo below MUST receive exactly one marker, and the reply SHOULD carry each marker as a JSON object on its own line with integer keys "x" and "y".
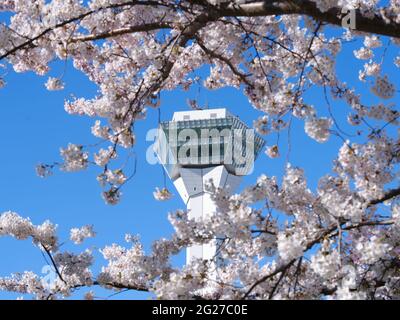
{"x": 197, "y": 147}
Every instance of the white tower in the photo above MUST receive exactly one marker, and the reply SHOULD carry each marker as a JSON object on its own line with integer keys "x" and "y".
{"x": 197, "y": 147}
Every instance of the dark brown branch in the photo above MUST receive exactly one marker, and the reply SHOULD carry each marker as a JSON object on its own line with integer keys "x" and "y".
{"x": 121, "y": 31}
{"x": 116, "y": 285}
{"x": 283, "y": 269}
{"x": 53, "y": 263}
{"x": 376, "y": 25}
{"x": 271, "y": 294}
{"x": 389, "y": 195}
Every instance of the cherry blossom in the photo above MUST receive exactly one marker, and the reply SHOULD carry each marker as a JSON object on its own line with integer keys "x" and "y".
{"x": 273, "y": 151}
{"x": 326, "y": 264}
{"x": 383, "y": 88}
{"x": 78, "y": 235}
{"x": 318, "y": 129}
{"x": 74, "y": 158}
{"x": 53, "y": 84}
{"x": 103, "y": 157}
{"x": 162, "y": 194}
{"x": 44, "y": 170}
{"x": 20, "y": 228}
{"x": 290, "y": 246}
{"x": 112, "y": 196}
{"x": 363, "y": 54}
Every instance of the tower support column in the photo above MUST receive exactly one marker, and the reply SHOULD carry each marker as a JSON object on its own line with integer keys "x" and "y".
{"x": 191, "y": 187}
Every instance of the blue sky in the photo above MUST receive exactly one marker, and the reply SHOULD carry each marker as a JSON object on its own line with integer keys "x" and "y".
{"x": 34, "y": 125}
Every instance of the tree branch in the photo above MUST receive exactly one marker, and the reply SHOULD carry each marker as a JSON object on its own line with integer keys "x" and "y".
{"x": 215, "y": 55}
{"x": 282, "y": 269}
{"x": 121, "y": 31}
{"x": 377, "y": 24}
{"x": 327, "y": 233}
{"x": 387, "y": 196}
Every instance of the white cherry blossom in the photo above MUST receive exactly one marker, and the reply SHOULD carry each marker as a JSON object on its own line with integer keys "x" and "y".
{"x": 78, "y": 235}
